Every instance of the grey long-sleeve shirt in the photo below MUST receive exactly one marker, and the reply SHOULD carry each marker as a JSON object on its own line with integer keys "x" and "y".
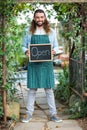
{"x": 52, "y": 39}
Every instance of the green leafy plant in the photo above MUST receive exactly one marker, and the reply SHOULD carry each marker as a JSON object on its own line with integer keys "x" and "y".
{"x": 77, "y": 109}
{"x": 74, "y": 22}
{"x": 62, "y": 91}
{"x": 10, "y": 49}
{"x": 73, "y": 18}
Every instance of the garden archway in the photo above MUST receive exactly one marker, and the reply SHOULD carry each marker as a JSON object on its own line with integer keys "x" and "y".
{"x": 3, "y": 48}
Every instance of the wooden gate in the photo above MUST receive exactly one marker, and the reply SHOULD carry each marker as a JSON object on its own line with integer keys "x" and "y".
{"x": 78, "y": 70}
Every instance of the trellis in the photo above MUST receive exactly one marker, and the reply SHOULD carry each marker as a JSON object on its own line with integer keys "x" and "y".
{"x": 72, "y": 60}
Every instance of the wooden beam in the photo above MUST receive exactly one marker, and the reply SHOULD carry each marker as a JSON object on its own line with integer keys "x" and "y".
{"x": 4, "y": 65}
{"x": 50, "y": 1}
{"x": 4, "y": 105}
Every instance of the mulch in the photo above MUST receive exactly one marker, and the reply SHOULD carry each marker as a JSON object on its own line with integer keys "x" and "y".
{"x": 9, "y": 125}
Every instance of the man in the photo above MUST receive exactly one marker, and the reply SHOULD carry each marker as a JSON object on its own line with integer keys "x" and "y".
{"x": 40, "y": 74}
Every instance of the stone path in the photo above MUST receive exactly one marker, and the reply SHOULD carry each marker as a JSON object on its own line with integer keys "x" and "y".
{"x": 41, "y": 120}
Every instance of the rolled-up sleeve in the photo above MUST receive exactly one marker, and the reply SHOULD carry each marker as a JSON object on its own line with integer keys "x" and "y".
{"x": 54, "y": 41}
{"x": 25, "y": 42}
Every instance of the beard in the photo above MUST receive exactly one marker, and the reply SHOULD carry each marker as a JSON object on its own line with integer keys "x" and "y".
{"x": 39, "y": 24}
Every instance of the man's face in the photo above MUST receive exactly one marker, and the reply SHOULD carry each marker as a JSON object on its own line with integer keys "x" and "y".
{"x": 39, "y": 19}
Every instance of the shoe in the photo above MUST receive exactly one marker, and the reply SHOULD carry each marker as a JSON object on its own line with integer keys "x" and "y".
{"x": 55, "y": 118}
{"x": 26, "y": 119}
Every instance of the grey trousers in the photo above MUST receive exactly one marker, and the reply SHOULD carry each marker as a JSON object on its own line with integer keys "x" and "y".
{"x": 50, "y": 100}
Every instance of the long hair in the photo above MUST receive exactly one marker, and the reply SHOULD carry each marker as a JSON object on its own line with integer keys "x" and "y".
{"x": 46, "y": 25}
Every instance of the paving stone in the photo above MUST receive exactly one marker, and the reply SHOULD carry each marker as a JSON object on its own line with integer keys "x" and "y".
{"x": 49, "y": 125}
{"x": 40, "y": 119}
{"x": 65, "y": 125}
{"x": 29, "y": 126}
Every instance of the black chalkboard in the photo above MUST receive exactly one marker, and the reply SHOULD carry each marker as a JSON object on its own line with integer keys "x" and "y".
{"x": 40, "y": 52}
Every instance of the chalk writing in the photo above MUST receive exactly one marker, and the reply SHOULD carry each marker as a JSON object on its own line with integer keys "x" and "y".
{"x": 37, "y": 53}
{"x": 40, "y": 52}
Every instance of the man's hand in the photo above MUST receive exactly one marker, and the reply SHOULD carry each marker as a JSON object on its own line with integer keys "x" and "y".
{"x": 53, "y": 52}
{"x": 27, "y": 53}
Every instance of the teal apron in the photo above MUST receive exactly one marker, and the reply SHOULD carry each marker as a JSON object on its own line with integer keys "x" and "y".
{"x": 40, "y": 74}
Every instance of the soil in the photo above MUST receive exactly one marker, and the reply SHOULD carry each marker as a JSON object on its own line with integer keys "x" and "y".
{"x": 83, "y": 123}
{"x": 3, "y": 125}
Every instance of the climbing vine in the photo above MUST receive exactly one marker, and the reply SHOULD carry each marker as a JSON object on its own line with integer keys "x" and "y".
{"x": 10, "y": 47}
{"x": 73, "y": 18}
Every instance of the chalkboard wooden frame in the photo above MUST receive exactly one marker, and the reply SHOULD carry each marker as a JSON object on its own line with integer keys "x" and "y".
{"x": 40, "y": 52}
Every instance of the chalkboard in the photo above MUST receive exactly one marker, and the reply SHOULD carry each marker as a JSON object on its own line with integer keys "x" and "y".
{"x": 40, "y": 52}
